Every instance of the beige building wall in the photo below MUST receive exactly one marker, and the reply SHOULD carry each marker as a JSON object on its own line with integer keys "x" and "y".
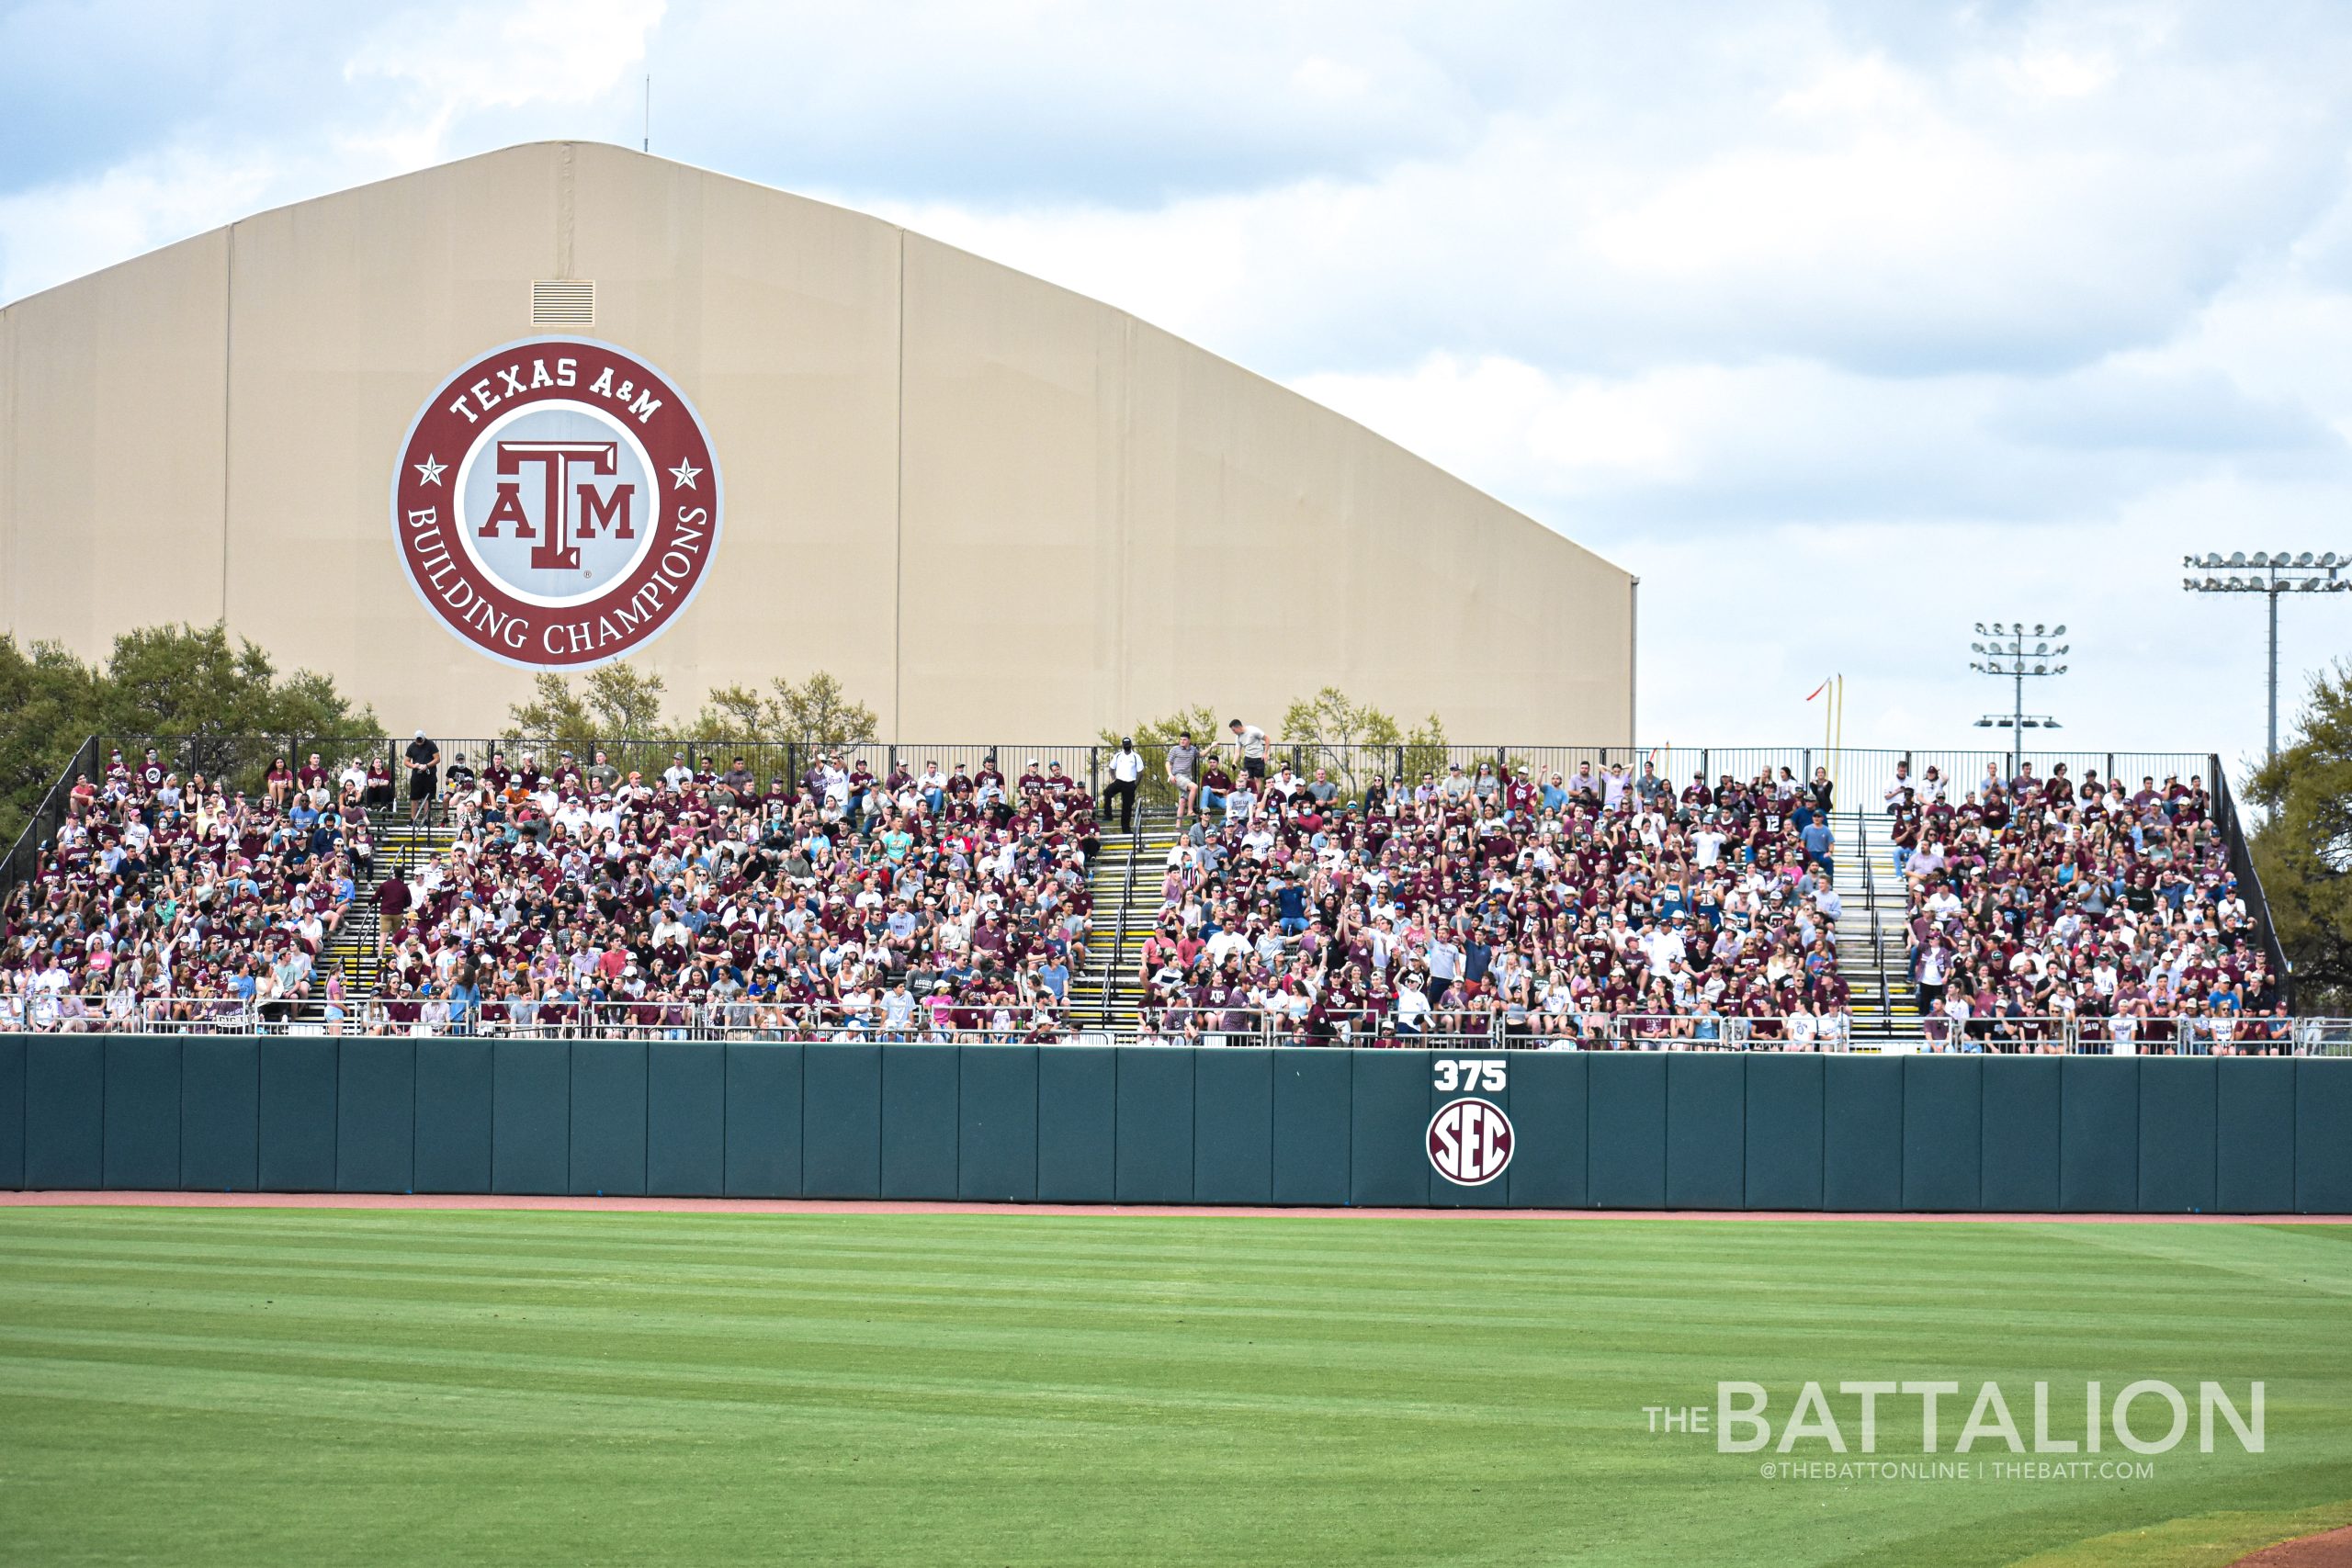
{"x": 996, "y": 509}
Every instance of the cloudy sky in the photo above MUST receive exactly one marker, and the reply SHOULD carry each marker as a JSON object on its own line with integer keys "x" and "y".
{"x": 1843, "y": 326}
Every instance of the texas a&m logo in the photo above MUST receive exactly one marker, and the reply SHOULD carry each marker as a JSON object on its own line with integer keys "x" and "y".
{"x": 557, "y": 503}
{"x": 1470, "y": 1141}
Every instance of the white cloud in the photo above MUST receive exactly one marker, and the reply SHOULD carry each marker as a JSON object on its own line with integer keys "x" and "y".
{"x": 1843, "y": 324}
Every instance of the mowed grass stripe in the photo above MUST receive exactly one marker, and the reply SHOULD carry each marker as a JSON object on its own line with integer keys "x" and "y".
{"x": 998, "y": 1388}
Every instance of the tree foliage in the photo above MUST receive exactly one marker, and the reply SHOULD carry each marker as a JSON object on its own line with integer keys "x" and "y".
{"x": 223, "y": 700}
{"x": 1357, "y": 741}
{"x": 617, "y": 702}
{"x": 2303, "y": 850}
{"x": 817, "y": 712}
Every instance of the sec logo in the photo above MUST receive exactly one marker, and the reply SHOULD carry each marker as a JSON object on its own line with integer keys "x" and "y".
{"x": 557, "y": 503}
{"x": 1470, "y": 1141}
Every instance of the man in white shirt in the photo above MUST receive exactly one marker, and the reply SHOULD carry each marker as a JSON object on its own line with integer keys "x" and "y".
{"x": 1126, "y": 767}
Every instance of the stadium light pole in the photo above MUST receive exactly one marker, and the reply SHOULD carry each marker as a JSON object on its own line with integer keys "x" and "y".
{"x": 2005, "y": 654}
{"x": 2269, "y": 575}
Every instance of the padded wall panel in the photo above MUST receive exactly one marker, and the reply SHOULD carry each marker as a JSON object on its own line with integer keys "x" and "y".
{"x": 1473, "y": 1082}
{"x": 1782, "y": 1131}
{"x": 2020, "y": 1174}
{"x": 12, "y": 1111}
{"x": 219, "y": 1113}
{"x": 1862, "y": 1133}
{"x": 65, "y": 1111}
{"x": 375, "y": 1145}
{"x": 920, "y": 1120}
{"x": 765, "y": 1119}
{"x": 2178, "y": 1131}
{"x": 1551, "y": 1118}
{"x": 2322, "y": 1135}
{"x": 1943, "y": 1131}
{"x": 530, "y": 1116}
{"x": 997, "y": 1105}
{"x": 1312, "y": 1090}
{"x": 1388, "y": 1155}
{"x": 2254, "y": 1155}
{"x": 1154, "y": 1130}
{"x": 686, "y": 1117}
{"x": 142, "y": 1111}
{"x": 840, "y": 1121}
{"x": 1627, "y": 1130}
{"x": 1706, "y": 1116}
{"x": 608, "y": 1109}
{"x": 2098, "y": 1135}
{"x": 1233, "y": 1126}
{"x": 297, "y": 1114}
{"x": 1077, "y": 1121}
{"x": 456, "y": 1090}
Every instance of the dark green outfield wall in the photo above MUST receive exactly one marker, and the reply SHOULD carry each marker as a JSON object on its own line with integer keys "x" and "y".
{"x": 1159, "y": 1125}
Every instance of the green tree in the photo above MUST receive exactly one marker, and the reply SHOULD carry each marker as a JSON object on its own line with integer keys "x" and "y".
{"x": 615, "y": 701}
{"x": 2303, "y": 851}
{"x": 1357, "y": 742}
{"x": 818, "y": 712}
{"x": 49, "y": 704}
{"x": 221, "y": 705}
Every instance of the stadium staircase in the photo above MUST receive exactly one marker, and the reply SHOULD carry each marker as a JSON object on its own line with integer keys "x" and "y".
{"x": 1108, "y": 994}
{"x": 1870, "y": 934}
{"x": 400, "y": 846}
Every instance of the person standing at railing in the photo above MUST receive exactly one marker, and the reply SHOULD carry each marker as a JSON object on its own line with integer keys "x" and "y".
{"x": 1251, "y": 742}
{"x": 1126, "y": 771}
{"x": 423, "y": 776}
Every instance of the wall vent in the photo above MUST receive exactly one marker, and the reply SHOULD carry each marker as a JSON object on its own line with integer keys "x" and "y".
{"x": 563, "y": 302}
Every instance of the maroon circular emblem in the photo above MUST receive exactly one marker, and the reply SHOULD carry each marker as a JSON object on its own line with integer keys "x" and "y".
{"x": 557, "y": 503}
{"x": 1470, "y": 1141}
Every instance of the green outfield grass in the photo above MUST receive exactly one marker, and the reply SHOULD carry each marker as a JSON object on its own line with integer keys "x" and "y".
{"x": 339, "y": 1387}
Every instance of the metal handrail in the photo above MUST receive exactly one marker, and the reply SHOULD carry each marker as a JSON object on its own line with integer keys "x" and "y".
{"x": 43, "y": 821}
{"x": 2241, "y": 852}
{"x": 1878, "y": 929}
{"x": 1117, "y": 957}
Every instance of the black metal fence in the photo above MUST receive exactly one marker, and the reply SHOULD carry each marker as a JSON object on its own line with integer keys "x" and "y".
{"x": 1860, "y": 774}
{"x": 41, "y": 828}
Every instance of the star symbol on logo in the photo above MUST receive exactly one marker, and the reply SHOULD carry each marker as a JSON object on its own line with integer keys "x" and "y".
{"x": 429, "y": 471}
{"x": 686, "y": 473}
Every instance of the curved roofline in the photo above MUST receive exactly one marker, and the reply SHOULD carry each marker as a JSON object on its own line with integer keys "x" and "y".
{"x": 231, "y": 226}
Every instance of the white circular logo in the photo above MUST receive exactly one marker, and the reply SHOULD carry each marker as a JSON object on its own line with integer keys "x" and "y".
{"x": 1470, "y": 1141}
{"x": 598, "y": 474}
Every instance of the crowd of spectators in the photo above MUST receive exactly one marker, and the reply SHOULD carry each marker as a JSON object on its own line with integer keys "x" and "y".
{"x": 165, "y": 898}
{"x": 1600, "y": 907}
{"x": 914, "y": 905}
{"x": 1593, "y": 909}
{"x": 2042, "y": 911}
